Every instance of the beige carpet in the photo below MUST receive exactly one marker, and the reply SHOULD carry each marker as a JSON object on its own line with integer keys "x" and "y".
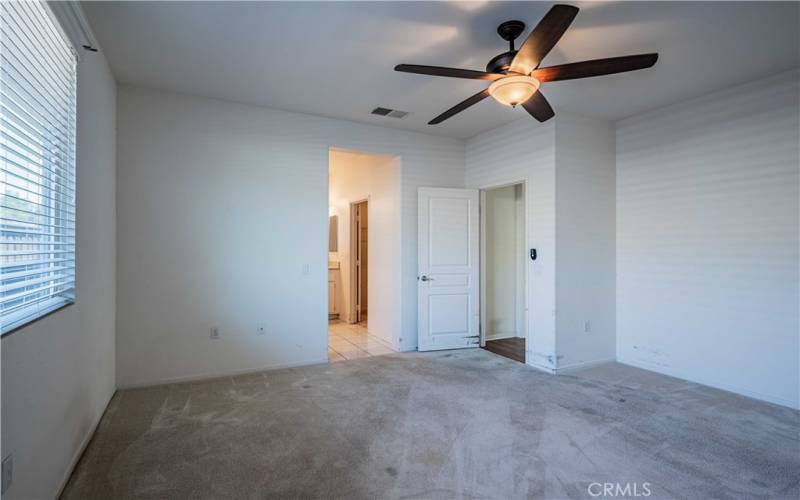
{"x": 457, "y": 424}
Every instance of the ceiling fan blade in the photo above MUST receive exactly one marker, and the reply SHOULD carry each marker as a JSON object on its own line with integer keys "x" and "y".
{"x": 451, "y": 72}
{"x": 538, "y": 107}
{"x": 543, "y": 38}
{"x": 595, "y": 67}
{"x": 458, "y": 108}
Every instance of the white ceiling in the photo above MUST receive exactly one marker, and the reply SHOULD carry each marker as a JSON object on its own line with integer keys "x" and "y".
{"x": 336, "y": 59}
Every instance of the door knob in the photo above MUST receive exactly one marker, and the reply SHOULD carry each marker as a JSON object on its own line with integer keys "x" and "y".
{"x": 425, "y": 278}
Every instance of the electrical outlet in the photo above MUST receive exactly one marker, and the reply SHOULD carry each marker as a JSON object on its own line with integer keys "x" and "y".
{"x": 261, "y": 329}
{"x": 8, "y": 472}
{"x": 214, "y": 332}
{"x": 587, "y": 327}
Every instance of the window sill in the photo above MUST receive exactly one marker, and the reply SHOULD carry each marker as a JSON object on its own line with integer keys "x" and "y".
{"x": 27, "y": 321}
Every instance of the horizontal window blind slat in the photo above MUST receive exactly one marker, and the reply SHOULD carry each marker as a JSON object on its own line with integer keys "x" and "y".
{"x": 29, "y": 263}
{"x": 35, "y": 62}
{"x": 23, "y": 67}
{"x": 7, "y": 307}
{"x": 32, "y": 138}
{"x": 45, "y": 179}
{"x": 34, "y": 272}
{"x": 60, "y": 49}
{"x": 29, "y": 152}
{"x": 10, "y": 196}
{"x": 25, "y": 252}
{"x": 35, "y": 185}
{"x": 50, "y": 169}
{"x": 69, "y": 232}
{"x": 20, "y": 224}
{"x": 12, "y": 184}
{"x": 21, "y": 114}
{"x": 39, "y": 21}
{"x": 35, "y": 214}
{"x": 23, "y": 95}
{"x": 18, "y": 285}
{"x": 11, "y": 155}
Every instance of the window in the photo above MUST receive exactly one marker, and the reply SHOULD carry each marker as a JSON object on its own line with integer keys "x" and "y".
{"x": 37, "y": 156}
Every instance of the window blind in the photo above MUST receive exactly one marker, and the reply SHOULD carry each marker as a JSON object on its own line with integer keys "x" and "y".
{"x": 37, "y": 174}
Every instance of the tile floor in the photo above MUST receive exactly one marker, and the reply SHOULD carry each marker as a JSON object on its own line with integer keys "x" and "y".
{"x": 346, "y": 341}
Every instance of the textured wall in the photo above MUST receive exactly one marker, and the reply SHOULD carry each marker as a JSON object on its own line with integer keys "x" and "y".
{"x": 223, "y": 212}
{"x": 585, "y": 240}
{"x": 707, "y": 239}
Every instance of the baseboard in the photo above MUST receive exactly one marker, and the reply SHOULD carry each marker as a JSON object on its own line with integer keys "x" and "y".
{"x": 500, "y": 336}
{"x": 713, "y": 384}
{"x": 583, "y": 365}
{"x": 211, "y": 376}
{"x": 541, "y": 368}
{"x": 82, "y": 448}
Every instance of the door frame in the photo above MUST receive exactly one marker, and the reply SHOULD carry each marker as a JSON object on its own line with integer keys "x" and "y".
{"x": 353, "y": 313}
{"x": 482, "y": 288}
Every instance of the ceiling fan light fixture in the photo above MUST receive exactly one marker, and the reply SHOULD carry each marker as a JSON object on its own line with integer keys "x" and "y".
{"x": 513, "y": 90}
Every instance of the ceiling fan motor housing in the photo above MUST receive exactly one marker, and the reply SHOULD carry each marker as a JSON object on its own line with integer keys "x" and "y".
{"x": 508, "y": 31}
{"x": 501, "y": 62}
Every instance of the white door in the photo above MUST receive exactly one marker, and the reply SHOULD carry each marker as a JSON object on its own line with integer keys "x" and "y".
{"x": 448, "y": 275}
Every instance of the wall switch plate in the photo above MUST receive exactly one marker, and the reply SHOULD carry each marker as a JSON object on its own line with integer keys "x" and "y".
{"x": 261, "y": 329}
{"x": 214, "y": 332}
{"x": 306, "y": 269}
{"x": 587, "y": 327}
{"x": 8, "y": 472}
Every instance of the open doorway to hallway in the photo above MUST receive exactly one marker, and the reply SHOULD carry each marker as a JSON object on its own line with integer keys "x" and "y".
{"x": 503, "y": 260}
{"x": 363, "y": 255}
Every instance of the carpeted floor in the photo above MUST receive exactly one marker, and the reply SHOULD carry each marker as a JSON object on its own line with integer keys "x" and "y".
{"x": 450, "y": 424}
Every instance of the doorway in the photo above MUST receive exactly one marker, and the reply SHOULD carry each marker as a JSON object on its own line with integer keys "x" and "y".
{"x": 503, "y": 264}
{"x": 363, "y": 259}
{"x": 359, "y": 260}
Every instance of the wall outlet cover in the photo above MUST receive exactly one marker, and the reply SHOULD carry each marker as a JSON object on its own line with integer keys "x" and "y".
{"x": 261, "y": 329}
{"x": 214, "y": 332}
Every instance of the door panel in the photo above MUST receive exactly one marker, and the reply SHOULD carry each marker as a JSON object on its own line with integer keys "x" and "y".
{"x": 448, "y": 269}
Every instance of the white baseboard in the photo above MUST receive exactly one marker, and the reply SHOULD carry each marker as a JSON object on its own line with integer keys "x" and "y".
{"x": 82, "y": 448}
{"x": 769, "y": 398}
{"x": 500, "y": 336}
{"x": 229, "y": 373}
{"x": 541, "y": 368}
{"x": 583, "y": 365}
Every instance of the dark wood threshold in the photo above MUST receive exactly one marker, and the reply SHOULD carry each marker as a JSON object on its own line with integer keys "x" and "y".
{"x": 511, "y": 348}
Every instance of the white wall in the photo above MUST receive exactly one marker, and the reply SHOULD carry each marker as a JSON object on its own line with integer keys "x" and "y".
{"x": 58, "y": 372}
{"x": 221, "y": 208}
{"x": 585, "y": 240}
{"x": 524, "y": 150}
{"x": 354, "y": 177}
{"x": 707, "y": 240}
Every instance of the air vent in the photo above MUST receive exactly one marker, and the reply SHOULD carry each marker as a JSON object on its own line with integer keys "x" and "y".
{"x": 392, "y": 113}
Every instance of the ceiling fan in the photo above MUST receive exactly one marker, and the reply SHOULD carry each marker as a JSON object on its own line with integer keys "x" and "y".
{"x": 516, "y": 75}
